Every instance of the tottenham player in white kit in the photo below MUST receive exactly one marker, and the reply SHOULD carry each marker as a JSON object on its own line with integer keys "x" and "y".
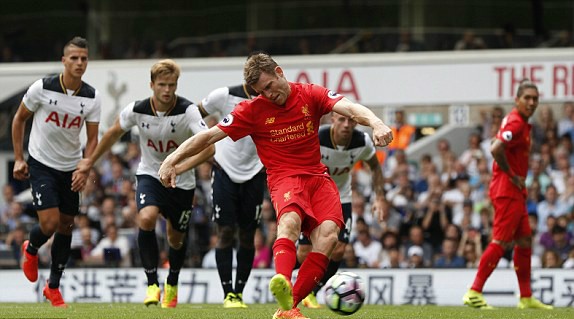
{"x": 60, "y": 105}
{"x": 238, "y": 187}
{"x": 164, "y": 121}
{"x": 342, "y": 146}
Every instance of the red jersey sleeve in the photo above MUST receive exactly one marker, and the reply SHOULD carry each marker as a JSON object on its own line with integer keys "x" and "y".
{"x": 510, "y": 131}
{"x": 237, "y": 124}
{"x": 324, "y": 97}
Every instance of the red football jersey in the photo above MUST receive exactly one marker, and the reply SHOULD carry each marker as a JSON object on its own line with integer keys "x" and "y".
{"x": 285, "y": 135}
{"x": 515, "y": 133}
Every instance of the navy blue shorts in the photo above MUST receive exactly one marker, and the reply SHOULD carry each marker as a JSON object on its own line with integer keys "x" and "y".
{"x": 344, "y": 234}
{"x": 175, "y": 204}
{"x": 237, "y": 203}
{"x": 52, "y": 188}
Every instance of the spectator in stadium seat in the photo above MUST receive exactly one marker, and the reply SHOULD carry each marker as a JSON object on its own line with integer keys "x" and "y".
{"x": 164, "y": 121}
{"x": 443, "y": 156}
{"x": 14, "y": 240}
{"x": 403, "y": 133}
{"x": 471, "y": 248}
{"x": 415, "y": 258}
{"x": 435, "y": 221}
{"x": 470, "y": 41}
{"x": 566, "y": 122}
{"x": 472, "y": 155}
{"x": 569, "y": 262}
{"x": 263, "y": 252}
{"x": 283, "y": 122}
{"x": 449, "y": 258}
{"x": 367, "y": 249}
{"x": 238, "y": 184}
{"x": 416, "y": 238}
{"x": 508, "y": 193}
{"x": 104, "y": 250}
{"x": 551, "y": 259}
{"x": 8, "y": 198}
{"x": 54, "y": 150}
{"x": 552, "y": 205}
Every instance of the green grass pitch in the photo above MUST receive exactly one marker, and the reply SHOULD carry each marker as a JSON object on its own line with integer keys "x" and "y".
{"x": 189, "y": 311}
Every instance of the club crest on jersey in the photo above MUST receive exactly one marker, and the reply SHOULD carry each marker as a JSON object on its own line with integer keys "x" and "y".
{"x": 226, "y": 121}
{"x": 507, "y": 136}
{"x": 305, "y": 111}
{"x": 333, "y": 94}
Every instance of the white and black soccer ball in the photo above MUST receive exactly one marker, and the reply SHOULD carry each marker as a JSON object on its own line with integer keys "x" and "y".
{"x": 345, "y": 293}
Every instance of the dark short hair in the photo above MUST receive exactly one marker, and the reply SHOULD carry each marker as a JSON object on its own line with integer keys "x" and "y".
{"x": 77, "y": 42}
{"x": 525, "y": 84}
{"x": 558, "y": 229}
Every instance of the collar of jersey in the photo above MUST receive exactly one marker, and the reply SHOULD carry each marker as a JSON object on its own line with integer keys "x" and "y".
{"x": 64, "y": 89}
{"x": 166, "y": 112}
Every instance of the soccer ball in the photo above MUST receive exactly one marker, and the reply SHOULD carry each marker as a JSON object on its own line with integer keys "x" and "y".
{"x": 345, "y": 293}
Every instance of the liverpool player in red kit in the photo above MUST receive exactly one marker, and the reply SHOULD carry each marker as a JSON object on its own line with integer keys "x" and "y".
{"x": 510, "y": 150}
{"x": 283, "y": 123}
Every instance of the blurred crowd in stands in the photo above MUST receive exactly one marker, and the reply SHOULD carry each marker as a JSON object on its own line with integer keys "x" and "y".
{"x": 298, "y": 43}
{"x": 439, "y": 210}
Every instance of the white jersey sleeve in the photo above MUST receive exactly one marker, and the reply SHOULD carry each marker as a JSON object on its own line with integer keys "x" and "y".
{"x": 94, "y": 114}
{"x": 215, "y": 101}
{"x": 127, "y": 117}
{"x": 196, "y": 123}
{"x": 33, "y": 97}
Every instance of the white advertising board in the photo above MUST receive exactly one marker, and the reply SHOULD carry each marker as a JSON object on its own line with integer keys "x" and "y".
{"x": 386, "y": 79}
{"x": 384, "y": 287}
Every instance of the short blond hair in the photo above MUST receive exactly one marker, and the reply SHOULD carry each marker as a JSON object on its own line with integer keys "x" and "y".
{"x": 165, "y": 67}
{"x": 255, "y": 65}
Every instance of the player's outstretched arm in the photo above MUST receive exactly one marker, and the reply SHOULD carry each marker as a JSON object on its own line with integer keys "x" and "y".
{"x": 195, "y": 160}
{"x": 79, "y": 178}
{"x": 111, "y": 136}
{"x": 382, "y": 134}
{"x": 192, "y": 146}
{"x": 379, "y": 187}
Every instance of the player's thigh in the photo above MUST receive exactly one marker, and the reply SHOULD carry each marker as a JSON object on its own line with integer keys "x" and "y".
{"x": 175, "y": 204}
{"x": 510, "y": 219}
{"x": 226, "y": 197}
{"x": 251, "y": 200}
{"x": 52, "y": 188}
{"x": 325, "y": 202}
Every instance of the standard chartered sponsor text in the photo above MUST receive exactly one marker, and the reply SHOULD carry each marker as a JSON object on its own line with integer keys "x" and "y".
{"x": 291, "y": 132}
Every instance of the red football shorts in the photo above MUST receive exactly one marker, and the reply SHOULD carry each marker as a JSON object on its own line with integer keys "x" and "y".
{"x": 510, "y": 219}
{"x": 314, "y": 198}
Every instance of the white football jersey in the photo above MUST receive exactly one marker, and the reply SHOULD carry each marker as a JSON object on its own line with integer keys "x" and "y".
{"x": 238, "y": 159}
{"x": 59, "y": 115}
{"x": 161, "y": 135}
{"x": 340, "y": 160}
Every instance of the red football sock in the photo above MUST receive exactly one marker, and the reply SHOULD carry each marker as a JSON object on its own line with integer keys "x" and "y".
{"x": 487, "y": 264}
{"x": 310, "y": 273}
{"x": 522, "y": 261}
{"x": 285, "y": 256}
